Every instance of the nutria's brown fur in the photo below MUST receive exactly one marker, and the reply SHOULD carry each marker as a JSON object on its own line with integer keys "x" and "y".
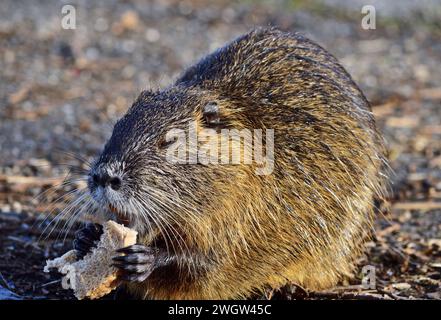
{"x": 230, "y": 232}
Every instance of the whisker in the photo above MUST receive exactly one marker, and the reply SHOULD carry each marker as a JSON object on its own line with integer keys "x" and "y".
{"x": 63, "y": 196}
{"x": 157, "y": 222}
{"x": 74, "y": 218}
{"x": 74, "y": 156}
{"x": 61, "y": 215}
{"x": 70, "y": 213}
{"x": 176, "y": 235}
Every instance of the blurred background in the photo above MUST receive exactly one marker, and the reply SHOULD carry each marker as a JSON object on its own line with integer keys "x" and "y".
{"x": 62, "y": 90}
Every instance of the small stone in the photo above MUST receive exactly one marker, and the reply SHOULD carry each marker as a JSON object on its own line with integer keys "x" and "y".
{"x": 401, "y": 286}
{"x": 92, "y": 53}
{"x": 434, "y": 242}
{"x": 434, "y": 295}
{"x": 128, "y": 72}
{"x": 436, "y": 265}
{"x": 152, "y": 35}
{"x": 426, "y": 281}
{"x": 5, "y": 208}
{"x": 101, "y": 25}
{"x": 17, "y": 207}
{"x": 64, "y": 50}
{"x": 130, "y": 20}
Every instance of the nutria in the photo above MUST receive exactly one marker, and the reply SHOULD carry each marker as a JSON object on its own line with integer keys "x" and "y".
{"x": 222, "y": 231}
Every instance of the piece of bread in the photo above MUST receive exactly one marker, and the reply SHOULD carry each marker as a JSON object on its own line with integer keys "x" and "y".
{"x": 94, "y": 276}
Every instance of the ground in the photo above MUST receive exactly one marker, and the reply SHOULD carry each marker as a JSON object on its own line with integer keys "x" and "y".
{"x": 62, "y": 90}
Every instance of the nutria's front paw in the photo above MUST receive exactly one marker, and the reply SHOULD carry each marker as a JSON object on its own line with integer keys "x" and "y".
{"x": 137, "y": 263}
{"x": 87, "y": 238}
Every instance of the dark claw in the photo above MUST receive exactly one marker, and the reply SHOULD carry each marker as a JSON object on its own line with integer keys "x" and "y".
{"x": 86, "y": 239}
{"x": 137, "y": 263}
{"x": 136, "y": 248}
{"x": 133, "y": 268}
{"x": 135, "y": 277}
{"x": 135, "y": 258}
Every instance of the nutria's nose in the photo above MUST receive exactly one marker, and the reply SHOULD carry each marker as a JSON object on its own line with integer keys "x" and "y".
{"x": 105, "y": 180}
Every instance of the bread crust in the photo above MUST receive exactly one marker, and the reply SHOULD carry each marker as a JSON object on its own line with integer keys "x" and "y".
{"x": 94, "y": 276}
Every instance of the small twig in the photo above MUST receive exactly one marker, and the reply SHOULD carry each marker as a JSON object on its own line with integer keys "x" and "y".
{"x": 418, "y": 205}
{"x": 4, "y": 281}
{"x": 373, "y": 294}
{"x": 430, "y": 93}
{"x": 356, "y": 287}
{"x": 30, "y": 180}
{"x": 392, "y": 295}
{"x": 26, "y": 243}
{"x": 348, "y": 295}
{"x": 392, "y": 228}
{"x": 49, "y": 283}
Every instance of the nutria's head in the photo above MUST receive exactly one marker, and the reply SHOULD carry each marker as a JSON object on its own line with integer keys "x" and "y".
{"x": 135, "y": 182}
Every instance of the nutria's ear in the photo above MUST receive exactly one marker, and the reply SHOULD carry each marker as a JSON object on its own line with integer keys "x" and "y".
{"x": 211, "y": 113}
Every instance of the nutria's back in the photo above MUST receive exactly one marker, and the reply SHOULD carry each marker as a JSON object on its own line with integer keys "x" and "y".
{"x": 230, "y": 231}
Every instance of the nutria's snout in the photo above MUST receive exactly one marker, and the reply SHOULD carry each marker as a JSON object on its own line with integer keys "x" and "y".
{"x": 104, "y": 180}
{"x": 106, "y": 188}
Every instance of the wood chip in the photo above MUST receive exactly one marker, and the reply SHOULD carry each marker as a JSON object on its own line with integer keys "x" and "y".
{"x": 423, "y": 205}
{"x": 403, "y": 122}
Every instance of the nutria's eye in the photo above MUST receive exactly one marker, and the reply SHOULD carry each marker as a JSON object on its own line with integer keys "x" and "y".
{"x": 163, "y": 143}
{"x": 211, "y": 113}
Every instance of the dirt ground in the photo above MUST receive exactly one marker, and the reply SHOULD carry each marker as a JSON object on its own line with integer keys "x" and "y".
{"x": 62, "y": 90}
